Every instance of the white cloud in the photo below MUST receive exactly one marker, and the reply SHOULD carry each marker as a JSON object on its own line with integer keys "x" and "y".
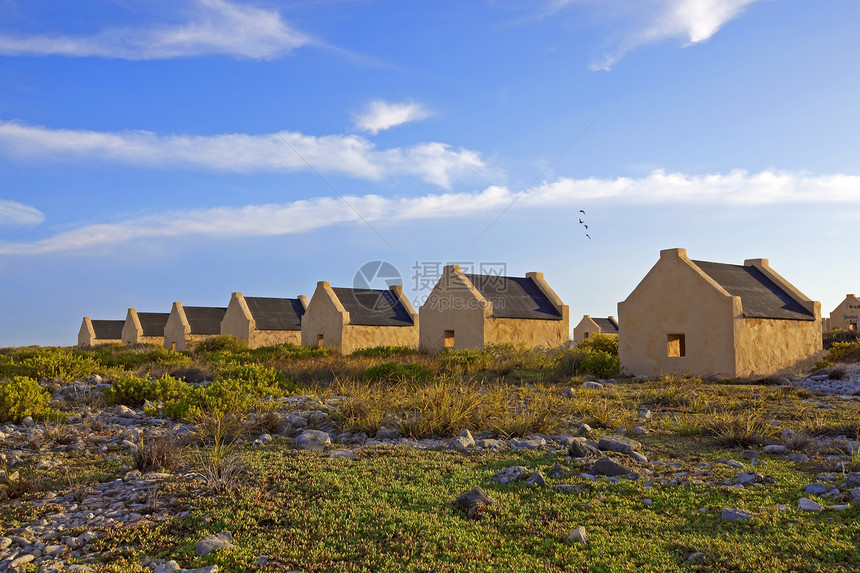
{"x": 653, "y": 21}
{"x": 351, "y": 155}
{"x": 381, "y": 115}
{"x": 214, "y": 27}
{"x": 12, "y": 213}
{"x": 735, "y": 188}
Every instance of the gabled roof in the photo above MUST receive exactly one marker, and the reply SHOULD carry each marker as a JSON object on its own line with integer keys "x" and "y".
{"x": 760, "y": 296}
{"x": 276, "y": 313}
{"x": 204, "y": 319}
{"x": 515, "y": 297}
{"x": 108, "y": 329}
{"x": 606, "y": 324}
{"x": 372, "y": 307}
{"x": 152, "y": 323}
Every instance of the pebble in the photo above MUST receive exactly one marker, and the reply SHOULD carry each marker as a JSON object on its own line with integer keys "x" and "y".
{"x": 578, "y": 535}
{"x": 735, "y": 514}
{"x": 809, "y": 505}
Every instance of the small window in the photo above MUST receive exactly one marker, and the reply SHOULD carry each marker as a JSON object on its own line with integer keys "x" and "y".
{"x": 587, "y": 334}
{"x": 173, "y": 346}
{"x": 675, "y": 345}
{"x": 449, "y": 339}
{"x": 320, "y": 340}
{"x": 852, "y": 326}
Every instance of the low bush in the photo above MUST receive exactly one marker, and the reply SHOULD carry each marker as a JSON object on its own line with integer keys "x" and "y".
{"x": 582, "y": 361}
{"x": 394, "y": 371}
{"x": 60, "y": 364}
{"x": 839, "y": 335}
{"x": 462, "y": 360}
{"x": 843, "y": 352}
{"x": 600, "y": 343}
{"x": 222, "y": 343}
{"x": 383, "y": 351}
{"x": 133, "y": 391}
{"x": 161, "y": 453}
{"x": 21, "y": 397}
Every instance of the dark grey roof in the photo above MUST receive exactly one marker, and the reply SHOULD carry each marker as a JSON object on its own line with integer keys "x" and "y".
{"x": 204, "y": 319}
{"x": 515, "y": 297}
{"x": 153, "y": 323}
{"x": 372, "y": 307}
{"x": 108, "y": 329}
{"x": 760, "y": 296}
{"x": 606, "y": 324}
{"x": 276, "y": 313}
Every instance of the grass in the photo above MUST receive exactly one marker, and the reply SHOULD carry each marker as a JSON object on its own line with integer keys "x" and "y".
{"x": 390, "y": 508}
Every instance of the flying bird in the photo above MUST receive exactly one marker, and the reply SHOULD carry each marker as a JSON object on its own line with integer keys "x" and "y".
{"x": 581, "y": 211}
{"x": 586, "y": 226}
{"x": 580, "y": 220}
{"x": 589, "y": 238}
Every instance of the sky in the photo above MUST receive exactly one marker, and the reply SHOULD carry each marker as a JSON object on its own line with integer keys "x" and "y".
{"x": 154, "y": 151}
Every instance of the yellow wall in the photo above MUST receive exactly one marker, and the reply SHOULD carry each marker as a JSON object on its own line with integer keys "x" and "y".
{"x": 177, "y": 330}
{"x": 769, "y": 346}
{"x": 326, "y": 315}
{"x": 846, "y": 313}
{"x": 455, "y": 304}
{"x": 677, "y": 298}
{"x": 588, "y": 328}
{"x": 132, "y": 331}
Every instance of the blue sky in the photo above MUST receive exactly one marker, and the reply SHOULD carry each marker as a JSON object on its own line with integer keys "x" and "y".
{"x": 154, "y": 150}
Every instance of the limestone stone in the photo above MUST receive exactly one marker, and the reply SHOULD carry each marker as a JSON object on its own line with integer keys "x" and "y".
{"x": 581, "y": 448}
{"x": 621, "y": 444}
{"x": 735, "y": 514}
{"x": 216, "y": 542}
{"x": 578, "y": 535}
{"x": 510, "y": 474}
{"x": 809, "y": 505}
{"x": 609, "y": 467}
{"x": 313, "y": 440}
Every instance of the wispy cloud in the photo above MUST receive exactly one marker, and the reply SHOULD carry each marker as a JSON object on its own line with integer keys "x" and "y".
{"x": 653, "y": 21}
{"x": 213, "y": 27}
{"x": 381, "y": 115}
{"x": 734, "y": 188}
{"x": 351, "y": 155}
{"x": 12, "y": 213}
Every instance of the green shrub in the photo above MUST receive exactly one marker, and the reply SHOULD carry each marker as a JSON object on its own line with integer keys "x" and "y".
{"x": 134, "y": 392}
{"x": 600, "y": 343}
{"x": 60, "y": 364}
{"x": 139, "y": 356}
{"x": 462, "y": 359}
{"x": 396, "y": 371}
{"x": 580, "y": 361}
{"x": 288, "y": 352}
{"x": 843, "y": 352}
{"x": 383, "y": 351}
{"x": 222, "y": 343}
{"x": 839, "y": 335}
{"x": 22, "y": 396}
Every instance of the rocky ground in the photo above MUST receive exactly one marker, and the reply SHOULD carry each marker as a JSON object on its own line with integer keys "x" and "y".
{"x": 63, "y": 540}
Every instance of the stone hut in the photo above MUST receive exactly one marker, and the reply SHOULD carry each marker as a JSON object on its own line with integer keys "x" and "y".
{"x": 144, "y": 327}
{"x": 188, "y": 325}
{"x": 473, "y": 310}
{"x": 845, "y": 316}
{"x": 349, "y": 319}
{"x": 716, "y": 319}
{"x": 95, "y": 332}
{"x": 589, "y": 326}
{"x": 265, "y": 321}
